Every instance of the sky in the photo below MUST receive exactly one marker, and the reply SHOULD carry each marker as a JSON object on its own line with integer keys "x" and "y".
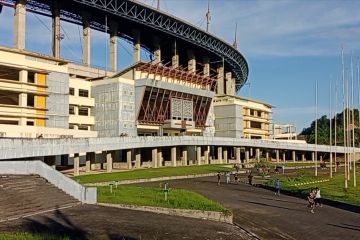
{"x": 289, "y": 45}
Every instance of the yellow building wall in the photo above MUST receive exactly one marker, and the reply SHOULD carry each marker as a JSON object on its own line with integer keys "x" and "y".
{"x": 41, "y": 101}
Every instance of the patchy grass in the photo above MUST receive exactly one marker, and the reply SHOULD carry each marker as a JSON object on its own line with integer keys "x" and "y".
{"x": 333, "y": 189}
{"x": 293, "y": 164}
{"x": 151, "y": 196}
{"x": 31, "y": 236}
{"x": 151, "y": 173}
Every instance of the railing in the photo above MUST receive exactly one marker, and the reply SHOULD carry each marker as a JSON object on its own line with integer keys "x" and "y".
{"x": 69, "y": 186}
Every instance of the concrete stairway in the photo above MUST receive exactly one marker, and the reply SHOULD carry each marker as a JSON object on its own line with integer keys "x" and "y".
{"x": 24, "y": 195}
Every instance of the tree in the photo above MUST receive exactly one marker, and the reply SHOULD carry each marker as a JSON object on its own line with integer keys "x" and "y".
{"x": 324, "y": 129}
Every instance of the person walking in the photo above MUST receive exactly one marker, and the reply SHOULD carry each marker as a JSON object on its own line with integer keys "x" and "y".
{"x": 250, "y": 177}
{"x": 236, "y": 178}
{"x": 277, "y": 187}
{"x": 227, "y": 174}
{"x": 311, "y": 200}
{"x": 218, "y": 178}
{"x": 318, "y": 197}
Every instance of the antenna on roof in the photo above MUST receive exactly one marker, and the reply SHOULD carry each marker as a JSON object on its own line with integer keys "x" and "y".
{"x": 208, "y": 17}
{"x": 235, "y": 40}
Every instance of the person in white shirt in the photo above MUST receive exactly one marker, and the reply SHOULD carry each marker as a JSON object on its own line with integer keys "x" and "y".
{"x": 318, "y": 197}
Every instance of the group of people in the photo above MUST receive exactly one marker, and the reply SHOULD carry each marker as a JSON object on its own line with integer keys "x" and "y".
{"x": 314, "y": 199}
{"x": 228, "y": 177}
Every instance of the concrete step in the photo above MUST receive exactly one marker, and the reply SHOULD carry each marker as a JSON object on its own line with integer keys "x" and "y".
{"x": 26, "y": 195}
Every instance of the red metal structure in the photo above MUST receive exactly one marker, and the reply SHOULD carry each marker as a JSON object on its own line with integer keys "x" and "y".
{"x": 156, "y": 102}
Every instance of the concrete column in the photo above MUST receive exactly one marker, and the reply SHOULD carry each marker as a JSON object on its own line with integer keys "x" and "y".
{"x": 267, "y": 156}
{"x": 160, "y": 158}
{"x": 129, "y": 158}
{"x": 109, "y": 161}
{"x": 238, "y": 153}
{"x": 86, "y": 39}
{"x": 321, "y": 158}
{"x": 284, "y": 156}
{"x": 206, "y": 70}
{"x": 154, "y": 158}
{"x": 175, "y": 55}
{"x": 23, "y": 77}
{"x": 157, "y": 50}
{"x": 313, "y": 156}
{"x": 226, "y": 159}
{"x": 138, "y": 158}
{"x": 20, "y": 24}
{"x": 76, "y": 164}
{"x": 137, "y": 46}
{"x": 277, "y": 152}
{"x": 56, "y": 35}
{"x": 113, "y": 45}
{"x": 251, "y": 152}
{"x": 247, "y": 156}
{"x": 303, "y": 157}
{"x": 220, "y": 81}
{"x": 173, "y": 156}
{"x": 184, "y": 156}
{"x": 294, "y": 156}
{"x": 219, "y": 151}
{"x": 191, "y": 62}
{"x": 90, "y": 158}
{"x": 207, "y": 154}
{"x": 257, "y": 154}
{"x": 229, "y": 90}
{"x": 198, "y": 155}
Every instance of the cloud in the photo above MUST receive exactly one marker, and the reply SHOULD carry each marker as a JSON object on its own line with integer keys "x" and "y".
{"x": 280, "y": 28}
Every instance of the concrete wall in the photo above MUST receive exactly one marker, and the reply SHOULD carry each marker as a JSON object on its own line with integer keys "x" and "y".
{"x": 228, "y": 121}
{"x": 23, "y": 148}
{"x": 114, "y": 109}
{"x": 58, "y": 100}
{"x": 83, "y": 194}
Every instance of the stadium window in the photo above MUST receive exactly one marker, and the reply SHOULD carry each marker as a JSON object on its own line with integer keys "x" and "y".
{"x": 82, "y": 127}
{"x": 30, "y": 100}
{"x": 31, "y": 77}
{"x": 255, "y": 125}
{"x": 83, "y": 111}
{"x": 83, "y": 93}
{"x": 71, "y": 109}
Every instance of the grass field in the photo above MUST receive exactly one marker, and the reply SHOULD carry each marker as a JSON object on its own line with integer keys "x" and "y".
{"x": 150, "y": 196}
{"x": 151, "y": 173}
{"x": 30, "y": 236}
{"x": 333, "y": 189}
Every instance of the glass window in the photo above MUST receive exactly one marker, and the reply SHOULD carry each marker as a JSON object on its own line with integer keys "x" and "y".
{"x": 71, "y": 109}
{"x": 83, "y": 111}
{"x": 83, "y": 93}
{"x": 30, "y": 123}
{"x": 255, "y": 125}
{"x": 82, "y": 127}
{"x": 71, "y": 91}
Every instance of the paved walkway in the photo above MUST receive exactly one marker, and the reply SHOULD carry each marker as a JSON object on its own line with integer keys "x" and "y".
{"x": 270, "y": 217}
{"x": 105, "y": 223}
